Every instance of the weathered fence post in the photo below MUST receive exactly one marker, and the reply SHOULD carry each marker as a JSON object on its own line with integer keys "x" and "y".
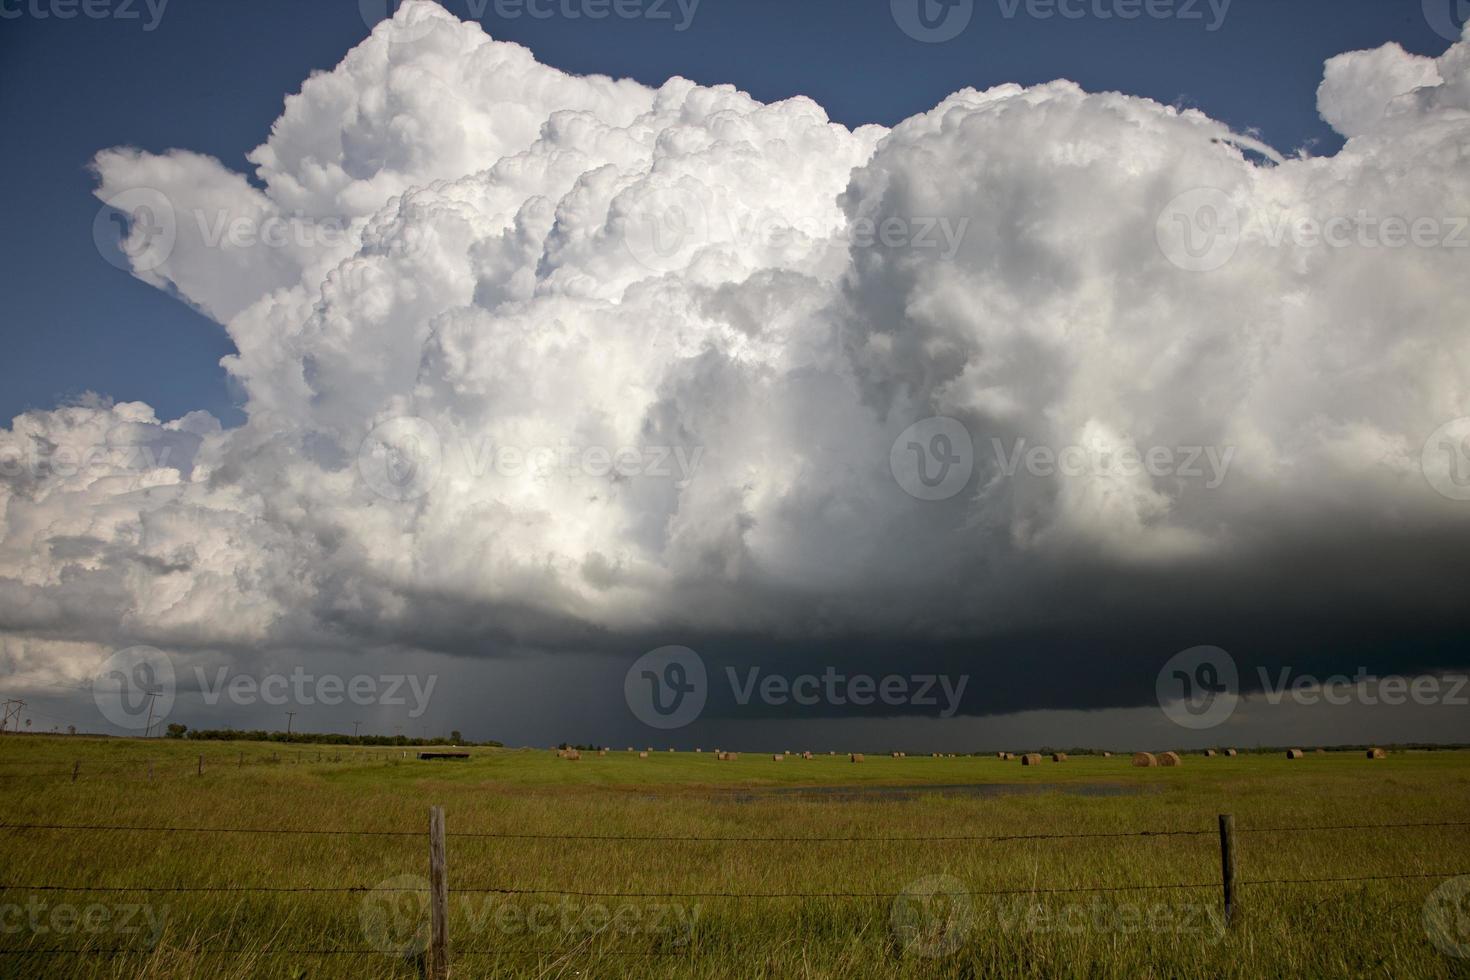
{"x": 75, "y": 768}
{"x": 201, "y": 764}
{"x": 438, "y": 898}
{"x": 1227, "y": 865}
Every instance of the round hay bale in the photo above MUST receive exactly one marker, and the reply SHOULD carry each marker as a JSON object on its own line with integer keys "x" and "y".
{"x": 1145, "y": 760}
{"x": 642, "y": 755}
{"x": 806, "y": 755}
{"x": 1107, "y": 755}
{"x": 1321, "y": 751}
{"x": 1059, "y": 757}
{"x": 1377, "y": 754}
{"x": 777, "y": 757}
{"x": 1170, "y": 759}
{"x": 855, "y": 757}
{"x": 1031, "y": 759}
{"x": 602, "y": 751}
{"x": 1209, "y": 753}
{"x": 1231, "y": 753}
{"x": 1295, "y": 753}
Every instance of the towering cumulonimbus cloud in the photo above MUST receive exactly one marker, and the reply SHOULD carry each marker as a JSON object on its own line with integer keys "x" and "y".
{"x": 537, "y": 359}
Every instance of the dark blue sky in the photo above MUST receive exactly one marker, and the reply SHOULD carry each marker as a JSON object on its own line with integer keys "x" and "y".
{"x": 211, "y": 77}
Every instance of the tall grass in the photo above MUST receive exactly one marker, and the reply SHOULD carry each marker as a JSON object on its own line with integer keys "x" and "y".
{"x": 1031, "y": 930}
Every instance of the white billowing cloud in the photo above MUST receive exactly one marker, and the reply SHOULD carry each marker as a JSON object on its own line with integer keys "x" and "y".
{"x": 728, "y": 311}
{"x": 1361, "y": 87}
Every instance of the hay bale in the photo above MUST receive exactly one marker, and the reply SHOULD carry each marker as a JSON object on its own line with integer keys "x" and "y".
{"x": 642, "y": 755}
{"x": 602, "y": 751}
{"x": 855, "y": 757}
{"x": 777, "y": 757}
{"x": 1145, "y": 760}
{"x": 1209, "y": 753}
{"x": 1295, "y": 753}
{"x": 1377, "y": 754}
{"x": 699, "y": 750}
{"x": 671, "y": 750}
{"x": 571, "y": 754}
{"x": 1031, "y": 759}
{"x": 806, "y": 755}
{"x": 1059, "y": 757}
{"x": 895, "y": 755}
{"x": 1170, "y": 759}
{"x": 1230, "y": 753}
{"x": 1107, "y": 755}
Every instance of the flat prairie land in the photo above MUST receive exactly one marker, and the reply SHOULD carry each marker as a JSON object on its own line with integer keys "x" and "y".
{"x": 285, "y": 860}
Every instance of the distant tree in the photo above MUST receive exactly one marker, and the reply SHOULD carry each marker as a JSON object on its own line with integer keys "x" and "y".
{"x": 454, "y": 736}
{"x": 176, "y": 730}
{"x": 71, "y": 729}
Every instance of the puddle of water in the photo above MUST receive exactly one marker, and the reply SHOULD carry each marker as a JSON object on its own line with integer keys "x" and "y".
{"x": 902, "y": 793}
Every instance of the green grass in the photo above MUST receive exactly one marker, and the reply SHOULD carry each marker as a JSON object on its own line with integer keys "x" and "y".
{"x": 1364, "y": 928}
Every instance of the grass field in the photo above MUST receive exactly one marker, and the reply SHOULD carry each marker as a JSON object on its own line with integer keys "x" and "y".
{"x": 1033, "y": 928}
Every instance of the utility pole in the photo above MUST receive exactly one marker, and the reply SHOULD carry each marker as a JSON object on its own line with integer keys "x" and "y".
{"x": 289, "y": 716}
{"x": 13, "y": 708}
{"x": 354, "y": 728}
{"x": 149, "y": 727}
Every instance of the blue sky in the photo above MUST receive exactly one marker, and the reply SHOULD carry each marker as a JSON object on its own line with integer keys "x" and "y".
{"x": 210, "y": 77}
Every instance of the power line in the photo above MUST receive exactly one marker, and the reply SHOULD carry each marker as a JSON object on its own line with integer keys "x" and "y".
{"x": 12, "y": 708}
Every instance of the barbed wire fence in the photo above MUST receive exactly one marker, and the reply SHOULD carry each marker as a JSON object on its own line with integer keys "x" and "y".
{"x": 437, "y": 952}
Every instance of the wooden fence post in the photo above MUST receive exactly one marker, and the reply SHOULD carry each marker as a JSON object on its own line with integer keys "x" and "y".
{"x": 75, "y": 768}
{"x": 438, "y": 898}
{"x": 1227, "y": 865}
{"x": 201, "y": 765}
